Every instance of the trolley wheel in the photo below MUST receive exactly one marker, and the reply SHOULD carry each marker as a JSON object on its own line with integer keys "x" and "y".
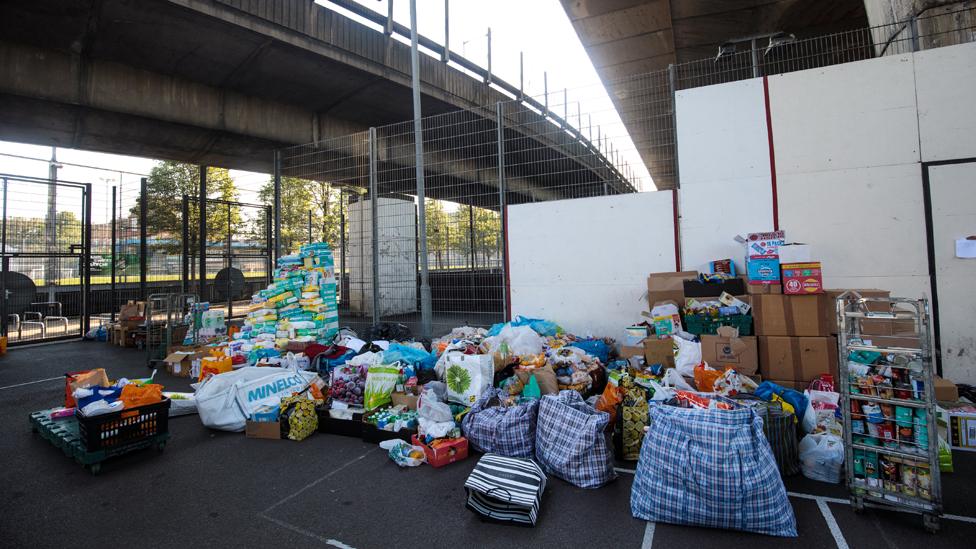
{"x": 857, "y": 503}
{"x": 931, "y": 523}
{"x": 95, "y": 468}
{"x": 160, "y": 446}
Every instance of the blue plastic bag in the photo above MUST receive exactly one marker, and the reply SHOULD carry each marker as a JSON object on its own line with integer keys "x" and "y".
{"x": 595, "y": 348}
{"x": 540, "y": 326}
{"x": 797, "y": 400}
{"x": 415, "y": 357}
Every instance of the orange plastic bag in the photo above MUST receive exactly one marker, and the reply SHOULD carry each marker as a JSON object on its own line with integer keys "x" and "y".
{"x": 215, "y": 365}
{"x": 612, "y": 396}
{"x": 134, "y": 395}
{"x": 705, "y": 379}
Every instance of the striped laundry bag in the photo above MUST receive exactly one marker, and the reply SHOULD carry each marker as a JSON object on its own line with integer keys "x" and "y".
{"x": 493, "y": 428}
{"x": 779, "y": 426}
{"x": 506, "y": 489}
{"x": 710, "y": 468}
{"x": 571, "y": 442}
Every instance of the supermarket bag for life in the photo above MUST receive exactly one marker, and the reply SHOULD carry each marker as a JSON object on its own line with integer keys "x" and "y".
{"x": 571, "y": 440}
{"x": 506, "y": 489}
{"x": 467, "y": 376}
{"x": 710, "y": 468}
{"x": 227, "y": 400}
{"x": 493, "y": 428}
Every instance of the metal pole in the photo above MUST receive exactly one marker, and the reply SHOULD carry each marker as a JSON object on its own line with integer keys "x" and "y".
{"x": 471, "y": 233}
{"x": 502, "y": 207}
{"x": 521, "y": 75}
{"x": 374, "y": 228}
{"x": 143, "y": 238}
{"x": 389, "y": 18}
{"x": 51, "y": 265}
{"x": 229, "y": 264}
{"x": 755, "y": 59}
{"x": 913, "y": 32}
{"x": 565, "y": 108}
{"x": 426, "y": 306}
{"x": 446, "y": 56}
{"x": 185, "y": 286}
{"x": 545, "y": 89}
{"x": 86, "y": 267}
{"x": 488, "y": 78}
{"x": 4, "y": 263}
{"x": 310, "y": 226}
{"x": 342, "y": 245}
{"x": 111, "y": 291}
{"x": 673, "y": 84}
{"x": 268, "y": 243}
{"x": 579, "y": 119}
{"x": 589, "y": 127}
{"x": 203, "y": 230}
{"x": 276, "y": 207}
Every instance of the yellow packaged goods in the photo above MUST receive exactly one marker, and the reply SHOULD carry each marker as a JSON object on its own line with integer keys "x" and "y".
{"x": 298, "y": 417}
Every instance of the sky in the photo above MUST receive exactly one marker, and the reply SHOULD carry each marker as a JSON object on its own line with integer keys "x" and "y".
{"x": 541, "y": 31}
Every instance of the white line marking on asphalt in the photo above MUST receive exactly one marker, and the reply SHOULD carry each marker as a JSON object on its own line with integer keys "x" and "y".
{"x": 31, "y": 382}
{"x": 316, "y": 482}
{"x": 622, "y": 470}
{"x": 816, "y": 498}
{"x": 960, "y": 518}
{"x": 304, "y": 532}
{"x": 832, "y": 524}
{"x": 648, "y": 540}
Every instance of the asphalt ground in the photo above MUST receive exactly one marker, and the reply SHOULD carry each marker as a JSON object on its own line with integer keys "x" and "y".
{"x": 219, "y": 489}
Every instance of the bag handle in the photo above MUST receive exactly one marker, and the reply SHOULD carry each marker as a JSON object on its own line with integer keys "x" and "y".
{"x": 507, "y": 493}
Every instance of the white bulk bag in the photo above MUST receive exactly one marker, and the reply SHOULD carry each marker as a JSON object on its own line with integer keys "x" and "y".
{"x": 226, "y": 401}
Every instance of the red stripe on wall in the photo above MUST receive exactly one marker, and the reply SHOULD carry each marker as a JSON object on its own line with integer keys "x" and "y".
{"x": 677, "y": 234}
{"x": 772, "y": 155}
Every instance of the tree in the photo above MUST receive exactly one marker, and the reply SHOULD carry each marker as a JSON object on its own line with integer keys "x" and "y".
{"x": 437, "y": 230}
{"x": 166, "y": 185}
{"x": 298, "y": 198}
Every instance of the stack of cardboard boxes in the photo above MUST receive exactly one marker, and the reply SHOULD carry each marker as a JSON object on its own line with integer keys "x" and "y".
{"x": 131, "y": 316}
{"x": 795, "y": 340}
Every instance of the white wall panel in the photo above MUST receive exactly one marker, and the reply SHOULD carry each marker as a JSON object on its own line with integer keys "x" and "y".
{"x": 845, "y": 116}
{"x": 864, "y": 222}
{"x": 722, "y": 132}
{"x": 584, "y": 263}
{"x": 713, "y": 213}
{"x": 946, "y": 89}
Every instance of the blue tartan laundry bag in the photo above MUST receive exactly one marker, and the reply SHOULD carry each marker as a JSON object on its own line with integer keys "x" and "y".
{"x": 710, "y": 468}
{"x": 570, "y": 441}
{"x": 492, "y": 427}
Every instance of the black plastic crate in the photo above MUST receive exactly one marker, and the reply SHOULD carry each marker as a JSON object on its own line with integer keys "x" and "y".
{"x": 125, "y": 427}
{"x": 344, "y": 427}
{"x": 374, "y": 435}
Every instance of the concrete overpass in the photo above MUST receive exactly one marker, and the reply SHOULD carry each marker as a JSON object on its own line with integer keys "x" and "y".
{"x": 226, "y": 82}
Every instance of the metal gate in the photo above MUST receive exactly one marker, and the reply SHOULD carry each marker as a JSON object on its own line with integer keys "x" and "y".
{"x": 45, "y": 258}
{"x": 236, "y": 255}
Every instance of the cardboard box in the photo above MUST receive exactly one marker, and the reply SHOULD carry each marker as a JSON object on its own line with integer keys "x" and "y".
{"x": 263, "y": 429}
{"x": 759, "y": 289}
{"x": 797, "y": 358}
{"x": 694, "y": 288}
{"x": 790, "y": 384}
{"x": 795, "y": 253}
{"x": 179, "y": 363}
{"x": 729, "y": 349}
{"x": 945, "y": 390}
{"x": 667, "y": 286}
{"x": 659, "y": 351}
{"x": 790, "y": 315}
{"x": 764, "y": 244}
{"x": 627, "y": 351}
{"x": 801, "y": 278}
{"x": 868, "y": 326}
{"x": 763, "y": 269}
{"x": 410, "y": 401}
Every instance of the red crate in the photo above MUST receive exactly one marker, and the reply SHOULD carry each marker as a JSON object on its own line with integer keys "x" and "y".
{"x": 456, "y": 450}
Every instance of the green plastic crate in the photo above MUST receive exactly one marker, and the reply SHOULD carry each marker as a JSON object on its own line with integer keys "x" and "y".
{"x": 707, "y": 325}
